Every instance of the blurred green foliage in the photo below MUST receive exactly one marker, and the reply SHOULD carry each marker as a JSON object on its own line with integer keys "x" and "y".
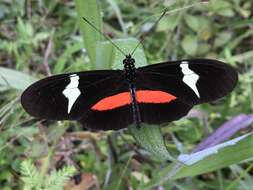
{"x": 42, "y": 37}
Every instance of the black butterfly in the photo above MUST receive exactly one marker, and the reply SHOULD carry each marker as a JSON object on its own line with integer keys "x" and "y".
{"x": 114, "y": 99}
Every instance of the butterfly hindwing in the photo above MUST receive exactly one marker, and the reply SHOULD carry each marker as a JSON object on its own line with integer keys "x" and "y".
{"x": 111, "y": 119}
{"x": 70, "y": 96}
{"x": 164, "y": 112}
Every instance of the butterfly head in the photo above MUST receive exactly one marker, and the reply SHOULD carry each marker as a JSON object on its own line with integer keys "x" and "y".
{"x": 129, "y": 68}
{"x": 128, "y": 60}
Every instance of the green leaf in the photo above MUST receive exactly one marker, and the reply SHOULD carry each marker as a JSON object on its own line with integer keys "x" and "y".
{"x": 228, "y": 155}
{"x": 90, "y": 10}
{"x": 190, "y": 44}
{"x": 61, "y": 63}
{"x": 24, "y": 29}
{"x": 109, "y": 57}
{"x": 222, "y": 38}
{"x": 221, "y": 7}
{"x": 14, "y": 79}
{"x": 56, "y": 132}
{"x": 30, "y": 175}
{"x": 25, "y": 131}
{"x": 200, "y": 25}
{"x": 37, "y": 149}
{"x": 105, "y": 55}
{"x": 150, "y": 137}
{"x": 41, "y": 36}
{"x": 34, "y": 180}
{"x": 240, "y": 151}
{"x": 58, "y": 179}
{"x": 169, "y": 23}
{"x": 192, "y": 22}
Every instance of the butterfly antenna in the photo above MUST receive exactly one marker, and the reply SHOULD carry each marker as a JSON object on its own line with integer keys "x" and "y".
{"x": 154, "y": 25}
{"x": 106, "y": 37}
{"x": 165, "y": 12}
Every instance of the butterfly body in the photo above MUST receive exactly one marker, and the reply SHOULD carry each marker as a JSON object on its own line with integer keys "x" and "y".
{"x": 114, "y": 99}
{"x": 130, "y": 76}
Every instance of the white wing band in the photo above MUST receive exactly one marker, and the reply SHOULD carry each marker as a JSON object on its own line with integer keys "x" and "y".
{"x": 190, "y": 78}
{"x": 71, "y": 91}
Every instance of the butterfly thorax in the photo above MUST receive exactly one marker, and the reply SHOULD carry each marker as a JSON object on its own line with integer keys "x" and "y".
{"x": 129, "y": 69}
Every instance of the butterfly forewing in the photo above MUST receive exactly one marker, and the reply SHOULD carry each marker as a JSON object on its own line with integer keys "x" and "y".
{"x": 70, "y": 96}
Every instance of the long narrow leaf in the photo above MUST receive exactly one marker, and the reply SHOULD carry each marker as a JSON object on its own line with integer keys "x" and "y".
{"x": 90, "y": 10}
{"x": 228, "y": 153}
{"x": 11, "y": 79}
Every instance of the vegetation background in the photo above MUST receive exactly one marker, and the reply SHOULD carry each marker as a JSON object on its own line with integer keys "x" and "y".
{"x": 41, "y": 37}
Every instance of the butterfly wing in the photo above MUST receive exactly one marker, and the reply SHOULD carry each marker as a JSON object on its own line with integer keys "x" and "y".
{"x": 79, "y": 96}
{"x": 70, "y": 96}
{"x": 190, "y": 82}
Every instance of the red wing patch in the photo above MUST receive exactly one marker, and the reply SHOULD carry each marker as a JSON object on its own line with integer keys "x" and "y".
{"x": 124, "y": 98}
{"x": 111, "y": 102}
{"x": 153, "y": 96}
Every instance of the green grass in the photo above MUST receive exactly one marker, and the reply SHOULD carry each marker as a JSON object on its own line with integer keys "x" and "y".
{"x": 221, "y": 30}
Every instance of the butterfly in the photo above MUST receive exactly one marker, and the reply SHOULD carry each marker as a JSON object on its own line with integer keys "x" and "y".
{"x": 114, "y": 99}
